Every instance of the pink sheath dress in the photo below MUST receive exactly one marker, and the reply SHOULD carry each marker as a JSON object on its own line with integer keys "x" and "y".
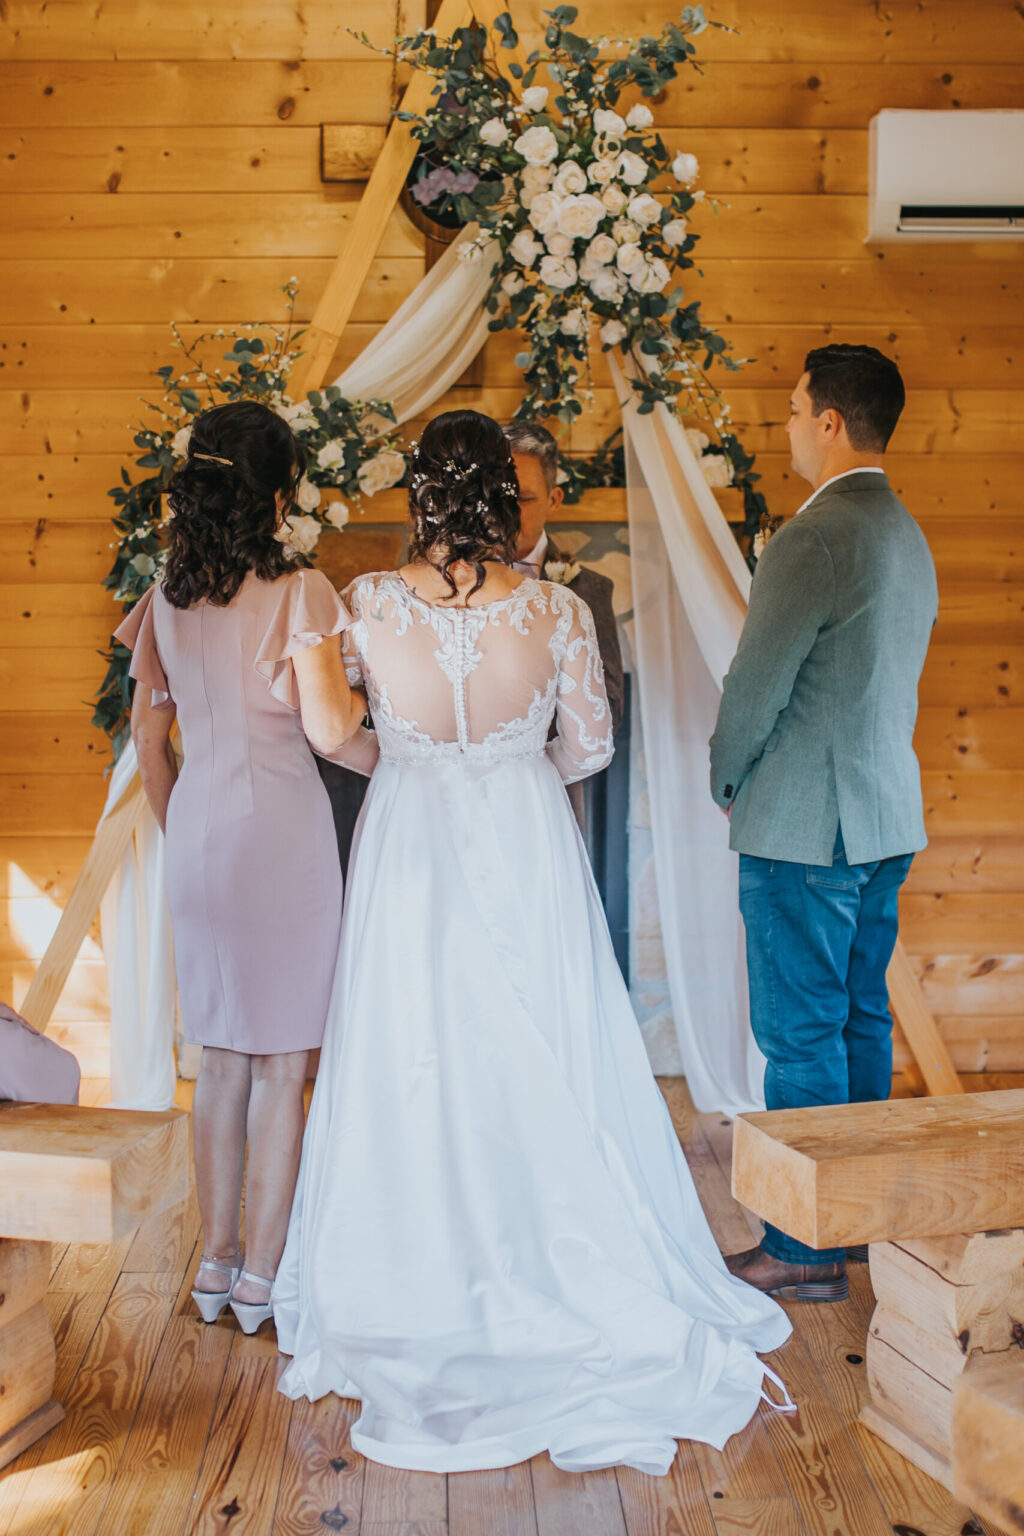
{"x": 252, "y": 874}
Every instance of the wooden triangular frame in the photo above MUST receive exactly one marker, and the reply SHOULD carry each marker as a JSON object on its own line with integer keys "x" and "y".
{"x": 932, "y": 1070}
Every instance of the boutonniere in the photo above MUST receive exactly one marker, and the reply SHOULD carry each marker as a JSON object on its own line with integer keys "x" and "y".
{"x": 769, "y": 525}
{"x": 561, "y": 571}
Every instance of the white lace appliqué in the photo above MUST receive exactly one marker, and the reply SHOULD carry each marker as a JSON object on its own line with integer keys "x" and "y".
{"x": 574, "y": 665}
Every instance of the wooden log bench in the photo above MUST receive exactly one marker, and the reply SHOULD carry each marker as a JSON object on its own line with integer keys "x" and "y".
{"x": 936, "y": 1187}
{"x": 67, "y": 1174}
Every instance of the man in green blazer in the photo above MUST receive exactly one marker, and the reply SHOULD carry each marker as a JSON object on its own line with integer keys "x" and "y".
{"x": 813, "y": 761}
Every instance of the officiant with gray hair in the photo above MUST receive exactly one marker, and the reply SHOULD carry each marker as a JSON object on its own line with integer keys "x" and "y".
{"x": 535, "y": 455}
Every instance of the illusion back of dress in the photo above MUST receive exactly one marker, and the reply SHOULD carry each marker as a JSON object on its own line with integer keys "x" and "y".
{"x": 480, "y": 683}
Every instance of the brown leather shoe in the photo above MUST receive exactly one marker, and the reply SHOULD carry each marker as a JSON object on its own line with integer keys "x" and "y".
{"x": 790, "y": 1282}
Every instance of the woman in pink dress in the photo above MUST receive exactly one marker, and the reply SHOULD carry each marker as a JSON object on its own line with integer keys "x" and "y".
{"x": 244, "y": 648}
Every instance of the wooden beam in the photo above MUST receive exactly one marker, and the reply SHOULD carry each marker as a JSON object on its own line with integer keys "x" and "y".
{"x": 112, "y": 838}
{"x": 364, "y": 235}
{"x": 71, "y": 1174}
{"x": 919, "y": 1027}
{"x": 832, "y": 1176}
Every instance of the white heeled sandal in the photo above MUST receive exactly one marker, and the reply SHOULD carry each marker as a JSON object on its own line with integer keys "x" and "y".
{"x": 212, "y": 1303}
{"x": 251, "y": 1314}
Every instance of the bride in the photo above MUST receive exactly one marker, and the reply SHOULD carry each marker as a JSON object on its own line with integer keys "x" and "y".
{"x": 496, "y": 1244}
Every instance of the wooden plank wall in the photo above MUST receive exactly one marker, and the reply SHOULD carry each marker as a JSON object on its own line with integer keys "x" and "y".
{"x": 162, "y": 162}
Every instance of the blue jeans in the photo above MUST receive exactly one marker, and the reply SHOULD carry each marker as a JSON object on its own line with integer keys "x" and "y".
{"x": 819, "y": 942}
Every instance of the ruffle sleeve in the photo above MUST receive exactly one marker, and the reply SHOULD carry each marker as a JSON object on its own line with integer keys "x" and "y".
{"x": 308, "y": 611}
{"x": 138, "y": 633}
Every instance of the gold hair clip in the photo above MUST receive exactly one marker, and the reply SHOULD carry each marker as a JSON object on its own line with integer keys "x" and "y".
{"x": 214, "y": 458}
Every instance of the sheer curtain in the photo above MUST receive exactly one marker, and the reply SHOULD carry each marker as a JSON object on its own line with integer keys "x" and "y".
{"x": 690, "y": 587}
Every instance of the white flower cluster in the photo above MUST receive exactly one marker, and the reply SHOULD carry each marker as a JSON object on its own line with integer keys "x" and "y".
{"x": 716, "y": 468}
{"x": 590, "y": 221}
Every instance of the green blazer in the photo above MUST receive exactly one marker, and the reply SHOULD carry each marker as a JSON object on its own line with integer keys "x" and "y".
{"x": 816, "y": 724}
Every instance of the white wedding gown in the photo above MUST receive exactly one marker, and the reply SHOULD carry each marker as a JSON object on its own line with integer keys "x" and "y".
{"x": 496, "y": 1244}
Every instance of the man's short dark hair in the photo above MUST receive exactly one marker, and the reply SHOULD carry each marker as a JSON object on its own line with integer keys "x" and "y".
{"x": 530, "y": 440}
{"x": 863, "y": 385}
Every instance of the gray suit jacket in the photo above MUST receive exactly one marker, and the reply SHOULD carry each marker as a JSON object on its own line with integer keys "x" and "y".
{"x": 817, "y": 717}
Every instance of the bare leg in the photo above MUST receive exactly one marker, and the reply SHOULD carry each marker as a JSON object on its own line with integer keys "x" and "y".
{"x": 218, "y": 1132}
{"x": 275, "y": 1143}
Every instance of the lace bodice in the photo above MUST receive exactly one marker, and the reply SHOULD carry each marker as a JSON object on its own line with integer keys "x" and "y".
{"x": 480, "y": 684}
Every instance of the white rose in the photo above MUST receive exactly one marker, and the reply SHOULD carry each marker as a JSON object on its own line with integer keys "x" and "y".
{"x": 717, "y": 470}
{"x": 144, "y": 564}
{"x": 697, "y": 440}
{"x": 561, "y": 571}
{"x": 601, "y": 250}
{"x": 559, "y": 244}
{"x": 614, "y": 199}
{"x": 650, "y": 278}
{"x": 331, "y": 455}
{"x": 609, "y": 122}
{"x": 307, "y": 495}
{"x": 625, "y": 232}
{"x": 630, "y": 258}
{"x": 558, "y": 271}
{"x": 180, "y": 442}
{"x": 538, "y": 145}
{"x": 674, "y": 232}
{"x": 631, "y": 168}
{"x": 493, "y": 131}
{"x": 639, "y": 116}
{"x": 580, "y": 216}
{"x": 601, "y": 171}
{"x": 299, "y": 535}
{"x": 525, "y": 249}
{"x": 337, "y": 514}
{"x": 512, "y": 283}
{"x": 383, "y": 470}
{"x": 535, "y": 98}
{"x": 297, "y": 415}
{"x": 644, "y": 209}
{"x": 612, "y": 332}
{"x": 685, "y": 168}
{"x": 574, "y": 323}
{"x": 570, "y": 178}
{"x": 607, "y": 285}
{"x": 536, "y": 177}
{"x": 544, "y": 211}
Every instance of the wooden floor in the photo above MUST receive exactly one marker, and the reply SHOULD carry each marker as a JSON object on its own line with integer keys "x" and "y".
{"x": 173, "y": 1427}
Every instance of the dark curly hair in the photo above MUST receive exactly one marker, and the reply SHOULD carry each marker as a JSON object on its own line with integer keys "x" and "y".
{"x": 463, "y": 495}
{"x": 223, "y": 503}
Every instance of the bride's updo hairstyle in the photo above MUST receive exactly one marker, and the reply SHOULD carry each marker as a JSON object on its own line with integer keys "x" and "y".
{"x": 464, "y": 495}
{"x": 222, "y": 500}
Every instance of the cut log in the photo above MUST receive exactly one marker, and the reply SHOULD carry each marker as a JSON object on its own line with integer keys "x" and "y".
{"x": 988, "y": 1315}
{"x": 988, "y": 1438}
{"x": 902, "y": 1169}
{"x": 969, "y": 1259}
{"x": 905, "y": 1395}
{"x": 69, "y": 1174}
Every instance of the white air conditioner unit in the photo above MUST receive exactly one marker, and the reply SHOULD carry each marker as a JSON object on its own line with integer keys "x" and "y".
{"x": 946, "y": 175}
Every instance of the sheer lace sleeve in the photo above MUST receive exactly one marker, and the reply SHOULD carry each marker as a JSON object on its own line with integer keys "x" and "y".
{"x": 583, "y": 744}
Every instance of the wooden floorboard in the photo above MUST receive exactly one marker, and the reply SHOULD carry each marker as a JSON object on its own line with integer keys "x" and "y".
{"x": 175, "y": 1428}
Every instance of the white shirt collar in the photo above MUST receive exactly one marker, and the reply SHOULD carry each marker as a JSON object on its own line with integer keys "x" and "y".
{"x": 863, "y": 469}
{"x": 537, "y": 553}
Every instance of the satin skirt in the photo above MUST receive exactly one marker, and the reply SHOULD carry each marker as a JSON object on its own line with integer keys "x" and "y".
{"x": 496, "y": 1244}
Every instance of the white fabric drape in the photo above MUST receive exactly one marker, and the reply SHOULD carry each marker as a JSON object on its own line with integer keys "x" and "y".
{"x": 139, "y": 955}
{"x": 412, "y": 361}
{"x": 690, "y": 587}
